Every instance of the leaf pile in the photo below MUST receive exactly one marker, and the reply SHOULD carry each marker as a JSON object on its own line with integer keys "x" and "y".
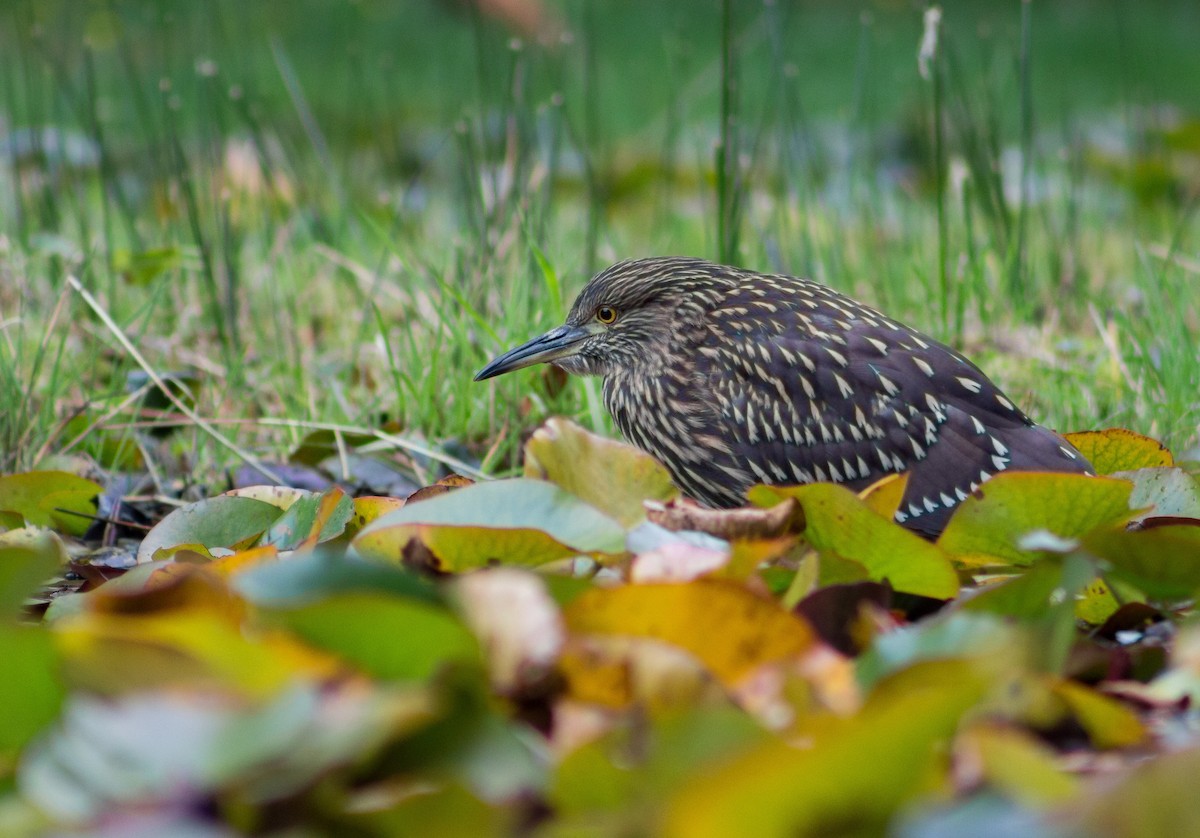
{"x": 577, "y": 651}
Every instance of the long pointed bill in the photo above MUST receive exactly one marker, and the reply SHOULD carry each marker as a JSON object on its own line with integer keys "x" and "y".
{"x": 556, "y": 343}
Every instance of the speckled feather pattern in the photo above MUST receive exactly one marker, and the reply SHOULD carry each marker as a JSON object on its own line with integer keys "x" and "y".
{"x": 732, "y": 378}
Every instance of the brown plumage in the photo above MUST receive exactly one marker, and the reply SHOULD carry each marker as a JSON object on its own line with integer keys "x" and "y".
{"x": 732, "y": 378}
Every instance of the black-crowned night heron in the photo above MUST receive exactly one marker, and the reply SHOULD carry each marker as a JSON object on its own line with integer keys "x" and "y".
{"x": 732, "y": 378}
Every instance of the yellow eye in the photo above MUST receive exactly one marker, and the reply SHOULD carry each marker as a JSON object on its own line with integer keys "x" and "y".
{"x": 606, "y": 314}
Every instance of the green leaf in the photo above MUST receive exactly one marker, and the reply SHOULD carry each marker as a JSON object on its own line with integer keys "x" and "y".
{"x": 838, "y": 522}
{"x": 987, "y": 528}
{"x": 311, "y": 519}
{"x": 47, "y": 499}
{"x": 954, "y": 635}
{"x": 526, "y": 522}
{"x": 27, "y": 559}
{"x": 1018, "y": 764}
{"x": 310, "y": 577}
{"x": 318, "y": 445}
{"x": 611, "y": 476}
{"x": 145, "y": 266}
{"x": 1162, "y": 562}
{"x": 384, "y": 636}
{"x": 1025, "y": 596}
{"x": 849, "y": 778}
{"x": 596, "y": 785}
{"x": 223, "y": 521}
{"x": 1150, "y": 799}
{"x": 30, "y": 691}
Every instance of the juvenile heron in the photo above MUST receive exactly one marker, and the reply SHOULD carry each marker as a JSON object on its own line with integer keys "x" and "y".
{"x": 732, "y": 378}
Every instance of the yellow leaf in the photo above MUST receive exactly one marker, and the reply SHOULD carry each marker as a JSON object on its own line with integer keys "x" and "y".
{"x": 1118, "y": 449}
{"x": 245, "y": 560}
{"x": 1015, "y": 763}
{"x": 884, "y": 495}
{"x": 1108, "y": 722}
{"x": 847, "y": 778}
{"x": 192, "y": 647}
{"x": 731, "y": 630}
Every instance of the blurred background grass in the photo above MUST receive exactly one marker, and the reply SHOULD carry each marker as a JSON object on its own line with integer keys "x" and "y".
{"x": 334, "y": 212}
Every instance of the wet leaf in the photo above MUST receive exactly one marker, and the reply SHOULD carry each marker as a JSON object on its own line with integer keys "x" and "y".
{"x": 839, "y": 523}
{"x": 279, "y": 496}
{"x": 610, "y": 475}
{"x": 988, "y": 527}
{"x": 224, "y": 521}
{"x": 368, "y": 508}
{"x": 1026, "y": 596}
{"x": 443, "y": 486}
{"x": 168, "y": 750}
{"x": 47, "y": 499}
{"x": 523, "y": 522}
{"x": 1118, "y": 449}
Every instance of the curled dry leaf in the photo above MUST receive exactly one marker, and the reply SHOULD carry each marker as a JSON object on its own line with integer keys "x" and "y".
{"x": 784, "y": 518}
{"x": 447, "y": 484}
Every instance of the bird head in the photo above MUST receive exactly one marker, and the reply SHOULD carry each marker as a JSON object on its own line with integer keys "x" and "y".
{"x": 623, "y": 319}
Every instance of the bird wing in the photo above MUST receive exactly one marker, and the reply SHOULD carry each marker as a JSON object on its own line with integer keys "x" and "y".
{"x": 811, "y": 386}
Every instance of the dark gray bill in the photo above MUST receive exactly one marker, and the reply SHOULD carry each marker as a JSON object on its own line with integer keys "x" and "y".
{"x": 556, "y": 343}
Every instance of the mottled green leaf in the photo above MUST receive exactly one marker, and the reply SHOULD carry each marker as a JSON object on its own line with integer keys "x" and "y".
{"x": 48, "y": 499}
{"x": 989, "y": 526}
{"x": 223, "y": 521}
{"x": 839, "y": 523}
{"x": 611, "y": 476}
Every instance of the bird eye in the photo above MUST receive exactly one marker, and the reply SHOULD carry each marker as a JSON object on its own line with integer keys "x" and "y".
{"x": 606, "y": 314}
